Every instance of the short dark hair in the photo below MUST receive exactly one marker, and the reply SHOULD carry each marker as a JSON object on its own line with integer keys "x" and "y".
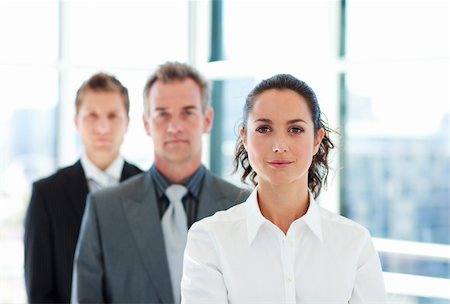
{"x": 176, "y": 71}
{"x": 318, "y": 171}
{"x": 102, "y": 82}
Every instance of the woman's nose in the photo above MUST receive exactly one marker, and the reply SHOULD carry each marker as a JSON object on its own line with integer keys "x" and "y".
{"x": 279, "y": 147}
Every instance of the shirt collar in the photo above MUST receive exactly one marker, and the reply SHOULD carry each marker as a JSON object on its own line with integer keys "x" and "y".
{"x": 312, "y": 217}
{"x": 255, "y": 219}
{"x": 111, "y": 175}
{"x": 192, "y": 183}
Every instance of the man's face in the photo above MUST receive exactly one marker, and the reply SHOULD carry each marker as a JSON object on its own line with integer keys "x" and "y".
{"x": 102, "y": 122}
{"x": 176, "y": 121}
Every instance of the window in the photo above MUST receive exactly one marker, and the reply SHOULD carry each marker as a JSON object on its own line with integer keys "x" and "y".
{"x": 396, "y": 156}
{"x": 28, "y": 94}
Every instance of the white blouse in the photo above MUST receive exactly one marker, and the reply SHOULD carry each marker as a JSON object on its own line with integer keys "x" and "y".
{"x": 238, "y": 256}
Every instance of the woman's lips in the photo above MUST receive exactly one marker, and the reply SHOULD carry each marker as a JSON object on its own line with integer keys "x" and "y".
{"x": 279, "y": 163}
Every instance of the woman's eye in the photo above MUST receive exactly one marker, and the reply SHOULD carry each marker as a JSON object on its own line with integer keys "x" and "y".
{"x": 262, "y": 129}
{"x": 296, "y": 130}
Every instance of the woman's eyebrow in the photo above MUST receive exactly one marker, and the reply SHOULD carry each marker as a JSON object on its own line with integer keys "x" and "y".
{"x": 264, "y": 120}
{"x": 295, "y": 121}
{"x": 268, "y": 121}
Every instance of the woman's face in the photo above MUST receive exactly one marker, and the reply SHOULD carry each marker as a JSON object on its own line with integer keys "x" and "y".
{"x": 280, "y": 139}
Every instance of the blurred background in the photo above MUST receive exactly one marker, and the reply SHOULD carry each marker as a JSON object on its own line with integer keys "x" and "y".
{"x": 381, "y": 70}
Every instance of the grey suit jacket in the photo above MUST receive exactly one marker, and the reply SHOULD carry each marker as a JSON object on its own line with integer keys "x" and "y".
{"x": 120, "y": 255}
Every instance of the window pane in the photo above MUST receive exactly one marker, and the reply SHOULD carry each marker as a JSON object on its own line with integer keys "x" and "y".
{"x": 228, "y": 97}
{"x": 27, "y": 144}
{"x": 280, "y": 31}
{"x": 415, "y": 266}
{"x": 128, "y": 34}
{"x": 398, "y": 29}
{"x": 29, "y": 31}
{"x": 397, "y": 156}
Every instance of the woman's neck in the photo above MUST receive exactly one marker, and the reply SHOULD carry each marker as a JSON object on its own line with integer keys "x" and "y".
{"x": 283, "y": 204}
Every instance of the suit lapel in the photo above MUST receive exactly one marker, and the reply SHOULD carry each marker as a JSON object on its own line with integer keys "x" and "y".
{"x": 76, "y": 188}
{"x": 211, "y": 198}
{"x": 143, "y": 218}
{"x": 128, "y": 171}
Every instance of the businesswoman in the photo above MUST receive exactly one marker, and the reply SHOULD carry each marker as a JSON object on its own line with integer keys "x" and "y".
{"x": 280, "y": 246}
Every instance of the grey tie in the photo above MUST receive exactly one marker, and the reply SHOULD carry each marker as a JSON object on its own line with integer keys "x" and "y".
{"x": 174, "y": 227}
{"x": 93, "y": 185}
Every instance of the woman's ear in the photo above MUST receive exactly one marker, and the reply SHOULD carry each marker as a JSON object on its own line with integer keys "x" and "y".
{"x": 243, "y": 137}
{"x": 318, "y": 139}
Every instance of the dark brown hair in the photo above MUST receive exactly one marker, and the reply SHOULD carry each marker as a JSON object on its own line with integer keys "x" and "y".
{"x": 177, "y": 71}
{"x": 318, "y": 171}
{"x": 102, "y": 82}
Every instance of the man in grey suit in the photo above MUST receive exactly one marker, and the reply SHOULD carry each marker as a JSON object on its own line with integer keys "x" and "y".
{"x": 122, "y": 253}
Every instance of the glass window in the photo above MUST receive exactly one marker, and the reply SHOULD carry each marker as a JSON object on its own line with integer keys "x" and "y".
{"x": 395, "y": 120}
{"x": 27, "y": 141}
{"x": 28, "y": 98}
{"x": 279, "y": 31}
{"x": 29, "y": 32}
{"x": 397, "y": 157}
{"x": 228, "y": 98}
{"x": 127, "y": 33}
{"x": 397, "y": 29}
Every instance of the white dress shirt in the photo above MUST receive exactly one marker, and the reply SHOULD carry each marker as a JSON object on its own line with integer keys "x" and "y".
{"x": 98, "y": 179}
{"x": 238, "y": 256}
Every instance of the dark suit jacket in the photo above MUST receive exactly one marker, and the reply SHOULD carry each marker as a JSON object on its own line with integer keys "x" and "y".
{"x": 120, "y": 255}
{"x": 52, "y": 225}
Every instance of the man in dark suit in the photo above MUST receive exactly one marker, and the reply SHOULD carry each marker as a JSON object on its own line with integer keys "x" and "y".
{"x": 57, "y": 203}
{"x": 126, "y": 252}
